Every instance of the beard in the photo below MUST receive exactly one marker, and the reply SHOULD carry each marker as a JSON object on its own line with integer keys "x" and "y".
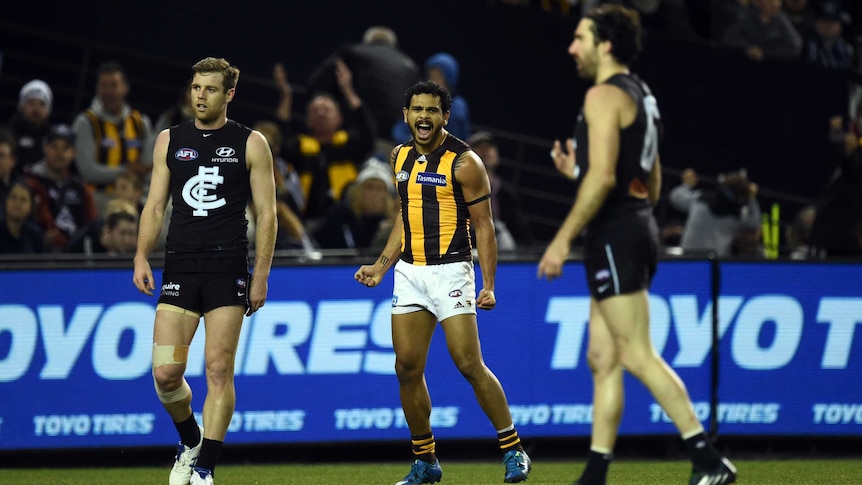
{"x": 207, "y": 117}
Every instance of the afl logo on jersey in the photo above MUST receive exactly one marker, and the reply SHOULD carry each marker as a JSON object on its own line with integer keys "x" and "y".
{"x": 225, "y": 152}
{"x": 402, "y": 176}
{"x": 186, "y": 154}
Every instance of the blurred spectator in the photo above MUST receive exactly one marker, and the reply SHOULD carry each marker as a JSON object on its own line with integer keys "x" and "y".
{"x": 329, "y": 147}
{"x": 825, "y": 45}
{"x": 801, "y": 14}
{"x": 668, "y": 16}
{"x": 116, "y": 233}
{"x": 764, "y": 33}
{"x": 724, "y": 220}
{"x": 129, "y": 187}
{"x": 289, "y": 201}
{"x": 443, "y": 69}
{"x": 509, "y": 220}
{"x": 845, "y": 135}
{"x": 363, "y": 218}
{"x": 288, "y": 187}
{"x": 19, "y": 232}
{"x": 8, "y": 174}
{"x": 65, "y": 203}
{"x": 180, "y": 111}
{"x": 672, "y": 220}
{"x": 112, "y": 137}
{"x": 837, "y": 228}
{"x": 799, "y": 233}
{"x": 31, "y": 122}
{"x": 381, "y": 75}
{"x": 724, "y": 13}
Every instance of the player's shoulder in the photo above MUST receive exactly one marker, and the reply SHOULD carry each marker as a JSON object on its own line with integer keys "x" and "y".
{"x": 606, "y": 97}
{"x": 605, "y": 92}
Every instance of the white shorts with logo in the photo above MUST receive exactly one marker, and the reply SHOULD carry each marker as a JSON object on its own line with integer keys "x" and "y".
{"x": 445, "y": 290}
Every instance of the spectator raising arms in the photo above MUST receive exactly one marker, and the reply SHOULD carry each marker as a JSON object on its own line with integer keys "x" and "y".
{"x": 329, "y": 147}
{"x": 381, "y": 74}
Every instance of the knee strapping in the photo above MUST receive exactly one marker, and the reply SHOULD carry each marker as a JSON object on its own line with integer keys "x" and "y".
{"x": 176, "y": 395}
{"x": 167, "y": 355}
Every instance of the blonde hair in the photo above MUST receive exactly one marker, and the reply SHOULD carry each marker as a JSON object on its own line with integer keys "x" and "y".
{"x": 120, "y": 205}
{"x": 132, "y": 178}
{"x": 379, "y": 34}
{"x": 230, "y": 74}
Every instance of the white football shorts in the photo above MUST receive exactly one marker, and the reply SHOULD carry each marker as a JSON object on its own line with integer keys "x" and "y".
{"x": 445, "y": 290}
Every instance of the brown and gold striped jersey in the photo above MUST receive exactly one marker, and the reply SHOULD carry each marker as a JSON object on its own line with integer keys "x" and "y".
{"x": 435, "y": 216}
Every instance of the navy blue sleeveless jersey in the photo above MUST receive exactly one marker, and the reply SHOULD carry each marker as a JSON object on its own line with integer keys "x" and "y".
{"x": 210, "y": 190}
{"x": 638, "y": 152}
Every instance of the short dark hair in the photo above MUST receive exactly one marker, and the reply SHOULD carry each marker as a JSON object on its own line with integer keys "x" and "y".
{"x": 432, "y": 88}
{"x": 7, "y": 138}
{"x": 619, "y": 25}
{"x": 110, "y": 67}
{"x": 114, "y": 218}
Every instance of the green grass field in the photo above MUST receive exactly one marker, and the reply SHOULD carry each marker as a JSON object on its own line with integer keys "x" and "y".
{"x": 557, "y": 472}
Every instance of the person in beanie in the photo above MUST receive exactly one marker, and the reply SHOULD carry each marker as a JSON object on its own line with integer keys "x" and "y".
{"x": 31, "y": 122}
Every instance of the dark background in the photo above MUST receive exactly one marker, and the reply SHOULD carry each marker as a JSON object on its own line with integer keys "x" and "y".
{"x": 721, "y": 111}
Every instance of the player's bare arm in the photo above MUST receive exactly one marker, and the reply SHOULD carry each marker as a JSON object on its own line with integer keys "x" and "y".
{"x": 654, "y": 182}
{"x": 603, "y": 110}
{"x": 371, "y": 274}
{"x": 262, "y": 181}
{"x": 153, "y": 215}
{"x": 476, "y": 187}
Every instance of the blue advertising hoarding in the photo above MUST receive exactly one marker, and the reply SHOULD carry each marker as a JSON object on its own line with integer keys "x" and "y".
{"x": 791, "y": 349}
{"x": 315, "y": 364}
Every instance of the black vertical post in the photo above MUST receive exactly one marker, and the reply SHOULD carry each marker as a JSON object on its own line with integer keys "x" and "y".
{"x": 715, "y": 270}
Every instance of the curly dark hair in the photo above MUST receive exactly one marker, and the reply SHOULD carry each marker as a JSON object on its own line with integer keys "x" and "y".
{"x": 432, "y": 88}
{"x": 619, "y": 25}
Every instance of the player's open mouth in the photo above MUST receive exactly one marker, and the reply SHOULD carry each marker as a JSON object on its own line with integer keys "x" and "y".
{"x": 423, "y": 128}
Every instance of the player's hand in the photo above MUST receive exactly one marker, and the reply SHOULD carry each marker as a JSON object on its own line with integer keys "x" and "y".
{"x": 486, "y": 299}
{"x": 366, "y": 275}
{"x": 143, "y": 277}
{"x": 564, "y": 158}
{"x": 551, "y": 264}
{"x": 256, "y": 295}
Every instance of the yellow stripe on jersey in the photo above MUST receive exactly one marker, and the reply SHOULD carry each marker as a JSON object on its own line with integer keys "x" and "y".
{"x": 448, "y": 209}
{"x": 118, "y": 143}
{"x": 435, "y": 216}
{"x": 114, "y": 153}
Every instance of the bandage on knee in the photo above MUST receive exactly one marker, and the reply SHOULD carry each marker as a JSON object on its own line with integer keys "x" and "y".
{"x": 167, "y": 355}
{"x": 176, "y": 395}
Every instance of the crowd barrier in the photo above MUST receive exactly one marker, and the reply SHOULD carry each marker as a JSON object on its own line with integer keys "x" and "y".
{"x": 765, "y": 348}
